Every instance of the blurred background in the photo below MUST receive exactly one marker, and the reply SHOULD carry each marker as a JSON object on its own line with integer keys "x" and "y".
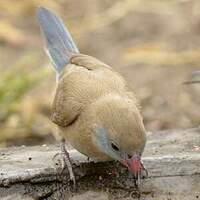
{"x": 154, "y": 44}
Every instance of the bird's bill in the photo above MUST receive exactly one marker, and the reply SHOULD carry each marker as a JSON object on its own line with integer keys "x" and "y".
{"x": 135, "y": 166}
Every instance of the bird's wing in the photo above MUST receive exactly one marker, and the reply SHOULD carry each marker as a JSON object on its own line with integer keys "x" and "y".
{"x": 66, "y": 108}
{"x": 58, "y": 41}
{"x": 75, "y": 89}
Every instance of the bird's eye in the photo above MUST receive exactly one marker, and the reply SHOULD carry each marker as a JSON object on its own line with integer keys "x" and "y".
{"x": 129, "y": 156}
{"x": 114, "y": 146}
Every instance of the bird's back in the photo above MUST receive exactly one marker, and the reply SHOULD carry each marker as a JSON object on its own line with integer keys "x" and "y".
{"x": 83, "y": 82}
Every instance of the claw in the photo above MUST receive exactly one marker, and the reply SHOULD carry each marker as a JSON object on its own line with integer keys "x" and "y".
{"x": 66, "y": 163}
{"x": 139, "y": 175}
{"x": 146, "y": 172}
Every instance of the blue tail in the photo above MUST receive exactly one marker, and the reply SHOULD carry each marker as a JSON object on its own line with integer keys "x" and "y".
{"x": 59, "y": 43}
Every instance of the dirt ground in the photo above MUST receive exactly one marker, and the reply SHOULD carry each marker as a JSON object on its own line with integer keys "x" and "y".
{"x": 155, "y": 45}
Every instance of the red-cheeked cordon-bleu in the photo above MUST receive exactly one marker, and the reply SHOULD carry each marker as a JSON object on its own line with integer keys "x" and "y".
{"x": 94, "y": 108}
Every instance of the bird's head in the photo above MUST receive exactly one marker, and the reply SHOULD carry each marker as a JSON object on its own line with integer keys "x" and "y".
{"x": 119, "y": 131}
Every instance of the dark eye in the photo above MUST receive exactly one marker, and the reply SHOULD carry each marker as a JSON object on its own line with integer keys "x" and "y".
{"x": 129, "y": 156}
{"x": 114, "y": 146}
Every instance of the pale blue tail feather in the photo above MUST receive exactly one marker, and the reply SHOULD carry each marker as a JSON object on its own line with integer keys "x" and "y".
{"x": 59, "y": 43}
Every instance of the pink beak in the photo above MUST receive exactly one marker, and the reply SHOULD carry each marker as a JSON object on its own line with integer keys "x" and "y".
{"x": 135, "y": 166}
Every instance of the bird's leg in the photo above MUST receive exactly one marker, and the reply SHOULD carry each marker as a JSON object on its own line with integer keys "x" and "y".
{"x": 66, "y": 162}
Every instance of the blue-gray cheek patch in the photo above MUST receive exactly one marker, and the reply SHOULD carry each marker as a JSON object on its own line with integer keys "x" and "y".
{"x": 103, "y": 143}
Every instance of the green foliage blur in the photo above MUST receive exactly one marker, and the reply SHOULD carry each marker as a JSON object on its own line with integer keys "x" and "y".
{"x": 14, "y": 84}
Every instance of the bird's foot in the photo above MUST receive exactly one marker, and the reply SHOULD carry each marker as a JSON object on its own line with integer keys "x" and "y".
{"x": 143, "y": 173}
{"x": 65, "y": 162}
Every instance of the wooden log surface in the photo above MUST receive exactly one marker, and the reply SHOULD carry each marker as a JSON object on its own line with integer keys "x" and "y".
{"x": 172, "y": 158}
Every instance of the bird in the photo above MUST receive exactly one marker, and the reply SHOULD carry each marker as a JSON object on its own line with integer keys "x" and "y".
{"x": 94, "y": 108}
{"x": 194, "y": 78}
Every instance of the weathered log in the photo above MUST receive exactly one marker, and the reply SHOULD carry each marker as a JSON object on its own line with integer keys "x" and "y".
{"x": 172, "y": 158}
